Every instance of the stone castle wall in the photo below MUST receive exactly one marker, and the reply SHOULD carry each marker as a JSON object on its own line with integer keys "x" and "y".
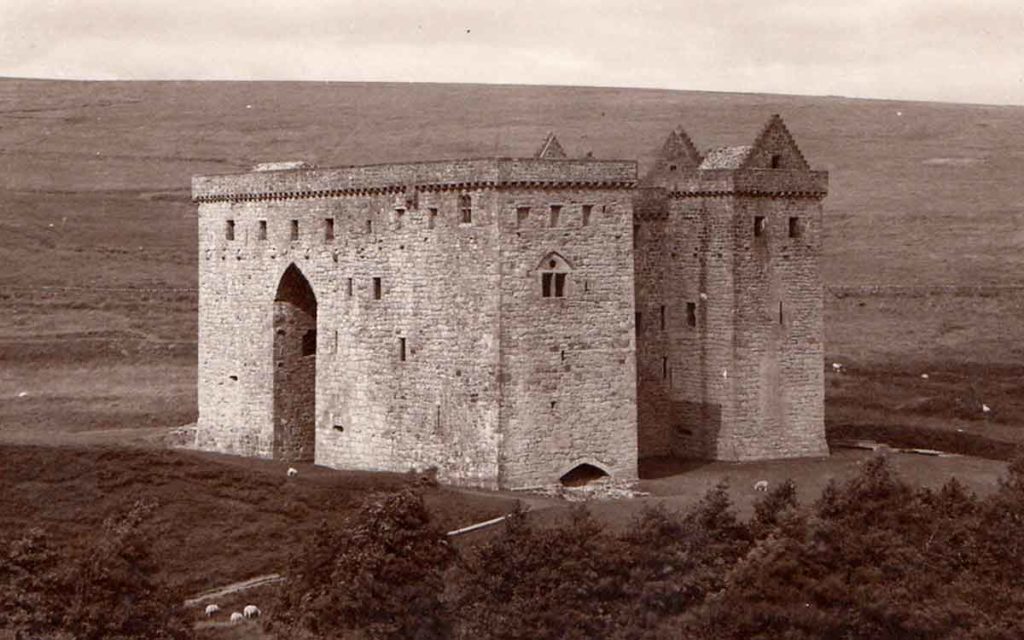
{"x": 509, "y": 320}
{"x": 443, "y": 284}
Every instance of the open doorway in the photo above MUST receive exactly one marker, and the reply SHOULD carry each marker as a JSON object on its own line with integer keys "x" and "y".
{"x": 294, "y": 368}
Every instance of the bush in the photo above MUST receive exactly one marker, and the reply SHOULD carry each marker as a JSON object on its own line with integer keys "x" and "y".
{"x": 381, "y": 576}
{"x": 109, "y": 590}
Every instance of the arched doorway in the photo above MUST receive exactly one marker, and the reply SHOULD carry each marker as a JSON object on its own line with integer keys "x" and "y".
{"x": 294, "y": 367}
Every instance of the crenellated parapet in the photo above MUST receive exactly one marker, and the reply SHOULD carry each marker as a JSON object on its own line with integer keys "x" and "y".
{"x": 453, "y": 175}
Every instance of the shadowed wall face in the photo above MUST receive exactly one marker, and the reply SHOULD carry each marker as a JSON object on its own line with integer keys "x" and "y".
{"x": 294, "y": 368}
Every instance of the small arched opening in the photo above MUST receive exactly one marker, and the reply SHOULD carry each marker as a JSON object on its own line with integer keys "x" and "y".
{"x": 294, "y": 367}
{"x": 582, "y": 474}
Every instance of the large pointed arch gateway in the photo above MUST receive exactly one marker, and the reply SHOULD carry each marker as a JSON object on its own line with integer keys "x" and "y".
{"x": 294, "y": 367}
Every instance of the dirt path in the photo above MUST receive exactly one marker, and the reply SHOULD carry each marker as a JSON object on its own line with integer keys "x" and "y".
{"x": 234, "y": 587}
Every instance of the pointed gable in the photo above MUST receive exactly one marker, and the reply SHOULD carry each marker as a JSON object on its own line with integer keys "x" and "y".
{"x": 551, "y": 149}
{"x": 677, "y": 154}
{"x": 679, "y": 150}
{"x": 775, "y": 148}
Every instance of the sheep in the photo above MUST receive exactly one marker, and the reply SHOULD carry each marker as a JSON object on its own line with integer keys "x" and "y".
{"x": 292, "y": 472}
{"x": 761, "y": 485}
{"x": 924, "y": 376}
{"x": 837, "y": 367}
{"x": 236, "y": 617}
{"x": 211, "y": 610}
{"x": 251, "y": 611}
{"x": 985, "y": 408}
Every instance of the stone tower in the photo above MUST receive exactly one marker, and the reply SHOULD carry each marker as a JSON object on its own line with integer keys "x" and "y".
{"x": 514, "y": 322}
{"x": 729, "y": 301}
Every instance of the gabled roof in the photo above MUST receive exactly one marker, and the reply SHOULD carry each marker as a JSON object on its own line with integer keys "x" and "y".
{"x": 551, "y": 149}
{"x": 726, "y": 157}
{"x": 775, "y": 139}
{"x": 679, "y": 149}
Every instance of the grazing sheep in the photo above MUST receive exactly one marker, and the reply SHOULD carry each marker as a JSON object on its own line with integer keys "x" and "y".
{"x": 211, "y": 610}
{"x": 236, "y": 617}
{"x": 924, "y": 376}
{"x": 985, "y": 408}
{"x": 837, "y": 367}
{"x": 761, "y": 485}
{"x": 292, "y": 472}
{"x": 251, "y": 611}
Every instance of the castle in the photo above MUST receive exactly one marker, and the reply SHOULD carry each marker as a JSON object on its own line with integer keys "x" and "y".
{"x": 514, "y": 322}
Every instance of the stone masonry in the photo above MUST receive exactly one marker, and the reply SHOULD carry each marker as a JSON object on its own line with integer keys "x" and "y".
{"x": 515, "y": 321}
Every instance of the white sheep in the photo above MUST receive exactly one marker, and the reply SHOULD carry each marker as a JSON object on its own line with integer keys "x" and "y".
{"x": 211, "y": 610}
{"x": 837, "y": 367}
{"x": 761, "y": 485}
{"x": 924, "y": 376}
{"x": 236, "y": 617}
{"x": 292, "y": 472}
{"x": 251, "y": 611}
{"x": 985, "y": 408}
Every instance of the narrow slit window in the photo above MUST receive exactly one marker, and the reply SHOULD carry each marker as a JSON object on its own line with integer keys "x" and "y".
{"x": 760, "y": 226}
{"x": 431, "y": 217}
{"x": 638, "y": 321}
{"x": 466, "y": 208}
{"x": 369, "y": 226}
{"x": 691, "y": 314}
{"x": 664, "y": 367}
{"x": 585, "y": 216}
{"x": 401, "y": 349}
{"x": 348, "y": 288}
{"x": 399, "y": 214}
{"x": 229, "y": 230}
{"x": 376, "y": 289}
{"x": 559, "y": 285}
{"x": 328, "y": 229}
{"x": 776, "y": 161}
{"x": 261, "y": 230}
{"x": 556, "y": 213}
{"x": 795, "y": 228}
{"x": 545, "y": 284}
{"x": 662, "y": 317}
{"x": 295, "y": 230}
{"x": 522, "y": 213}
{"x": 780, "y": 312}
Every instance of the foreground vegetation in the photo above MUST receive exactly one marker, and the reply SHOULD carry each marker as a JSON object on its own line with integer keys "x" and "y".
{"x": 873, "y": 557}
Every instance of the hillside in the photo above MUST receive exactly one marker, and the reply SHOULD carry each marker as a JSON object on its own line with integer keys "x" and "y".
{"x": 94, "y": 180}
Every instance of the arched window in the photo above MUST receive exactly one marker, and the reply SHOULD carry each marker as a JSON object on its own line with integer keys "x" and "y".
{"x": 554, "y": 273}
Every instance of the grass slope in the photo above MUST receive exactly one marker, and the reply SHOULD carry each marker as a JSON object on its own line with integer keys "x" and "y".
{"x": 94, "y": 192}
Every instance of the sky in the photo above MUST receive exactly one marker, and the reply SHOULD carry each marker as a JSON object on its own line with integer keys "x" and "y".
{"x": 946, "y": 50}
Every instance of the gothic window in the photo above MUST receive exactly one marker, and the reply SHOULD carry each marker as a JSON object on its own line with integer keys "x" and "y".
{"x": 554, "y": 272}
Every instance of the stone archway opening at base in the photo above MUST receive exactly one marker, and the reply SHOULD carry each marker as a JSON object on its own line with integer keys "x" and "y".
{"x": 582, "y": 474}
{"x": 294, "y": 368}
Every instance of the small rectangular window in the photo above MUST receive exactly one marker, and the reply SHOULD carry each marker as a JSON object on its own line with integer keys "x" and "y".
{"x": 664, "y": 367}
{"x": 466, "y": 208}
{"x": 229, "y": 230}
{"x": 759, "y": 226}
{"x": 559, "y": 285}
{"x": 545, "y": 284}
{"x": 261, "y": 231}
{"x": 556, "y": 213}
{"x": 348, "y": 288}
{"x": 662, "y": 310}
{"x": 401, "y": 349}
{"x": 431, "y": 217}
{"x": 328, "y": 229}
{"x": 399, "y": 214}
{"x": 587, "y": 210}
{"x": 776, "y": 161}
{"x": 295, "y": 230}
{"x": 522, "y": 213}
{"x": 691, "y": 314}
{"x": 796, "y": 229}
{"x": 369, "y": 226}
{"x": 376, "y": 289}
